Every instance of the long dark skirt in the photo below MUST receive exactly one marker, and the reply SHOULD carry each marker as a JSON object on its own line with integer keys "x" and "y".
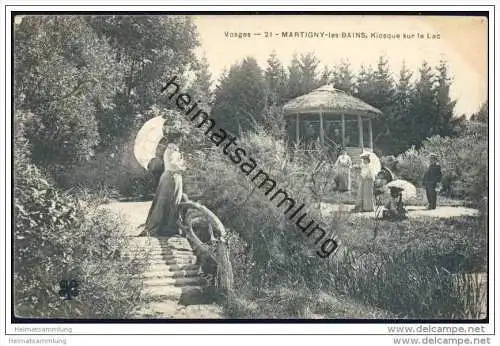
{"x": 164, "y": 212}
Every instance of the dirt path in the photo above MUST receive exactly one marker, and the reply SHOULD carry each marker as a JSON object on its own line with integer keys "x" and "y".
{"x": 135, "y": 212}
{"x": 413, "y": 211}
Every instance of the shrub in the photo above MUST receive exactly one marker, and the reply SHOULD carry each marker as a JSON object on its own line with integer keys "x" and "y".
{"x": 57, "y": 237}
{"x": 463, "y": 159}
{"x": 411, "y": 165}
{"x": 63, "y": 70}
{"x": 276, "y": 250}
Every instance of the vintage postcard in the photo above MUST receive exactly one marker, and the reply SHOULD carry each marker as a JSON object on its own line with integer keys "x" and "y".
{"x": 240, "y": 166}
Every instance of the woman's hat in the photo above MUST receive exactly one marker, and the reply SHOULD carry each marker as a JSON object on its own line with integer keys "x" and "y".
{"x": 365, "y": 154}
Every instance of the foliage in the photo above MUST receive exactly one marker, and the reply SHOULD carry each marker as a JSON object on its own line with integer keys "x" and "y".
{"x": 344, "y": 77}
{"x": 240, "y": 98}
{"x": 445, "y": 123}
{"x": 57, "y": 237}
{"x": 463, "y": 160}
{"x": 427, "y": 257}
{"x": 482, "y": 114}
{"x": 402, "y": 112}
{"x": 62, "y": 71}
{"x": 276, "y": 79}
{"x": 411, "y": 165}
{"x": 274, "y": 246}
{"x": 201, "y": 87}
{"x": 152, "y": 49}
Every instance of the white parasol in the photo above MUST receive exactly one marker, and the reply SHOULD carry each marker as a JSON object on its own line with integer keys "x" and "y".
{"x": 147, "y": 140}
{"x": 375, "y": 164}
{"x": 409, "y": 190}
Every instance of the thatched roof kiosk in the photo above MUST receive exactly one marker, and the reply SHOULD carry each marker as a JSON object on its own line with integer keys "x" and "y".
{"x": 333, "y": 116}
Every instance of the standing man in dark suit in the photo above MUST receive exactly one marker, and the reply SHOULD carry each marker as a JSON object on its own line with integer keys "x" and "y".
{"x": 431, "y": 178}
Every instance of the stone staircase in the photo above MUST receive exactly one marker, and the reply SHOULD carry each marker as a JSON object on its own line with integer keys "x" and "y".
{"x": 173, "y": 280}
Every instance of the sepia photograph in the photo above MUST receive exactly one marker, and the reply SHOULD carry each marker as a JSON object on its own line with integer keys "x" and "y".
{"x": 301, "y": 167}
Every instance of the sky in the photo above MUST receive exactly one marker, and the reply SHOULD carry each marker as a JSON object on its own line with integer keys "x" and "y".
{"x": 462, "y": 41}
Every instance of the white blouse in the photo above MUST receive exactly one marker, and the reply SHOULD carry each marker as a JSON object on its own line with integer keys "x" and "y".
{"x": 172, "y": 158}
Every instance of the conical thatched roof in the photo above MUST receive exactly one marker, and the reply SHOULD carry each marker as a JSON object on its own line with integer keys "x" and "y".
{"x": 329, "y": 100}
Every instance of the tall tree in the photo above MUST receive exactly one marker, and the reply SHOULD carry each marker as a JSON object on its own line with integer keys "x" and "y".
{"x": 308, "y": 67}
{"x": 63, "y": 73}
{"x": 402, "y": 112}
{"x": 383, "y": 99}
{"x": 276, "y": 79}
{"x": 201, "y": 86}
{"x": 444, "y": 122}
{"x": 482, "y": 114}
{"x": 423, "y": 107}
{"x": 294, "y": 78}
{"x": 365, "y": 85}
{"x": 240, "y": 98}
{"x": 152, "y": 49}
{"x": 343, "y": 77}
{"x": 326, "y": 76}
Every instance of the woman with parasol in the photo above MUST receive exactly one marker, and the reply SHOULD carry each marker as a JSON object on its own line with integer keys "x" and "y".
{"x": 394, "y": 210}
{"x": 163, "y": 216}
{"x": 400, "y": 190}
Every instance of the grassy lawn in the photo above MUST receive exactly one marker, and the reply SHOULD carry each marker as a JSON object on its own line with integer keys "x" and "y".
{"x": 456, "y": 244}
{"x": 413, "y": 269}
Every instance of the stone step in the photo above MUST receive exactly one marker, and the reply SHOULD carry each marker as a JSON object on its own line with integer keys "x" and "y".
{"x": 169, "y": 274}
{"x": 179, "y": 260}
{"x": 153, "y": 261}
{"x": 151, "y": 254}
{"x": 159, "y": 250}
{"x": 158, "y": 257}
{"x": 153, "y": 242}
{"x": 189, "y": 281}
{"x": 172, "y": 293}
{"x": 164, "y": 267}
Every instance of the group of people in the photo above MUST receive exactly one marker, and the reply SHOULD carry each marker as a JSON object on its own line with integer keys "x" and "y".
{"x": 372, "y": 183}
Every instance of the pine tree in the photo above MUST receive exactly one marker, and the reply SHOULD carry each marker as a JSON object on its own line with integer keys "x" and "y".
{"x": 240, "y": 98}
{"x": 423, "y": 108}
{"x": 383, "y": 99}
{"x": 326, "y": 76}
{"x": 444, "y": 123}
{"x": 294, "y": 88}
{"x": 402, "y": 112}
{"x": 201, "y": 87}
{"x": 308, "y": 64}
{"x": 365, "y": 85}
{"x": 482, "y": 114}
{"x": 276, "y": 80}
{"x": 343, "y": 77}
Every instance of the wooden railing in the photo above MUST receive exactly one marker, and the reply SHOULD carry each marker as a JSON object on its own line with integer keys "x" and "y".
{"x": 214, "y": 253}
